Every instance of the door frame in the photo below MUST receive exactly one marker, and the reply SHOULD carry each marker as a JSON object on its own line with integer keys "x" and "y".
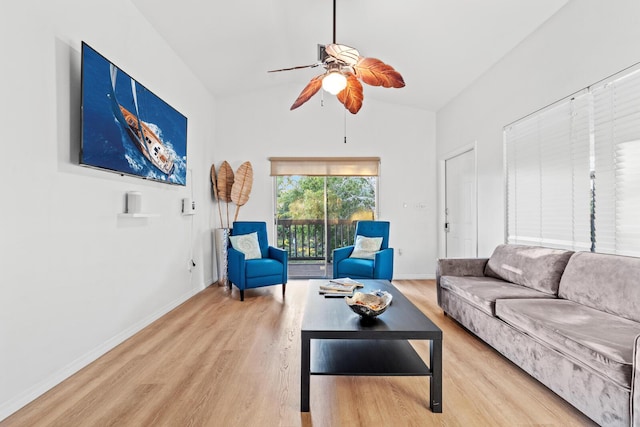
{"x": 442, "y": 193}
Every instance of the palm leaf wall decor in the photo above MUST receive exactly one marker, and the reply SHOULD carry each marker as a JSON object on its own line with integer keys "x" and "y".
{"x": 225, "y": 182}
{"x": 214, "y": 181}
{"x": 241, "y": 188}
{"x": 231, "y": 188}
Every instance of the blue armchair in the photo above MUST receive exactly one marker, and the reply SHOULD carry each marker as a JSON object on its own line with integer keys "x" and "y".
{"x": 381, "y": 264}
{"x": 269, "y": 269}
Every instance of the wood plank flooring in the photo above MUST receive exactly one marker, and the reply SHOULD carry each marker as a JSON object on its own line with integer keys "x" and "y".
{"x": 216, "y": 361}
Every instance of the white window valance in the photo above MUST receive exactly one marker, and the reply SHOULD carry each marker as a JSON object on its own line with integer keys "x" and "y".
{"x": 325, "y": 166}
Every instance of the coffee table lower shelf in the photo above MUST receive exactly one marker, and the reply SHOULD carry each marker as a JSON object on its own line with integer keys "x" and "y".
{"x": 365, "y": 357}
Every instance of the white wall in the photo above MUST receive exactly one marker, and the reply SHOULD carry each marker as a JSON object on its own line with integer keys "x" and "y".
{"x": 259, "y": 125}
{"x": 75, "y": 279}
{"x": 583, "y": 43}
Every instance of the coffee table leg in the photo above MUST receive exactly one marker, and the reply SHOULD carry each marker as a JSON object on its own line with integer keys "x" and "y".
{"x": 305, "y": 374}
{"x": 435, "y": 355}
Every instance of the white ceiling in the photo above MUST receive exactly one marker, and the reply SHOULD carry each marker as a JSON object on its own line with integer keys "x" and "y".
{"x": 439, "y": 46}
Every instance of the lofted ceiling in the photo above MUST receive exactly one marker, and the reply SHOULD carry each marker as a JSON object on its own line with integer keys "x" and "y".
{"x": 439, "y": 46}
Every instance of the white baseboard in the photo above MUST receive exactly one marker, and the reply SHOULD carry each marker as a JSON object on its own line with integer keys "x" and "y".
{"x": 414, "y": 276}
{"x": 13, "y": 405}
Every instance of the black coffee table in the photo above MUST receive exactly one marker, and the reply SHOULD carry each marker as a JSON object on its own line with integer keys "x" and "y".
{"x": 336, "y": 341}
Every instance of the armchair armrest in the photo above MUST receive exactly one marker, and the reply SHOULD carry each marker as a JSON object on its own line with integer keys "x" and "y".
{"x": 635, "y": 384}
{"x": 383, "y": 264}
{"x": 277, "y": 254}
{"x": 340, "y": 254}
{"x": 458, "y": 267}
{"x": 235, "y": 266}
{"x": 282, "y": 256}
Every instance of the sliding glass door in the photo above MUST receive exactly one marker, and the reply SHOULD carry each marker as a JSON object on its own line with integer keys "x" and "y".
{"x": 316, "y": 214}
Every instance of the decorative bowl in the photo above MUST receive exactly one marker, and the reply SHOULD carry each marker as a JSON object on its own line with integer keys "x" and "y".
{"x": 369, "y": 305}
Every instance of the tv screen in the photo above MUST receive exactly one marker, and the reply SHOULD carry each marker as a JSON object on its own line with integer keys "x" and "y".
{"x": 126, "y": 128}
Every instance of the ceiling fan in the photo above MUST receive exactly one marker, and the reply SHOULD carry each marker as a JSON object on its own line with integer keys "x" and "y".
{"x": 344, "y": 69}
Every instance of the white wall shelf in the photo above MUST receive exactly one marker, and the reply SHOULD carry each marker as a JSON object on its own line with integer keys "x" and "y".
{"x": 137, "y": 215}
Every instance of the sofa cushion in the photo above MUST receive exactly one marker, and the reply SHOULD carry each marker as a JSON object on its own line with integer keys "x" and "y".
{"x": 597, "y": 339}
{"x": 482, "y": 292}
{"x": 609, "y": 283}
{"x": 531, "y": 266}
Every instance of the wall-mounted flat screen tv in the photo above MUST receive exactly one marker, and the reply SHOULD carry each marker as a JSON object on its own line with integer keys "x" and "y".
{"x": 126, "y": 128}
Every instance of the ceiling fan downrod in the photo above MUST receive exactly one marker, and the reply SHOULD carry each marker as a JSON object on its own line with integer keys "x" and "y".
{"x": 334, "y": 21}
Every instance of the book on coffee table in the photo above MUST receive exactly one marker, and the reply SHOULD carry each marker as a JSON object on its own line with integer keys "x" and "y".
{"x": 347, "y": 281}
{"x": 343, "y": 286}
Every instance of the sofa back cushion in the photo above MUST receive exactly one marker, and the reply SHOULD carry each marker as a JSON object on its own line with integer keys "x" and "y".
{"x": 609, "y": 283}
{"x": 531, "y": 266}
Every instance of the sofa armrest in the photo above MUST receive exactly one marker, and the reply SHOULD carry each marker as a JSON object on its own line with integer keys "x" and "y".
{"x": 635, "y": 385}
{"x": 458, "y": 267}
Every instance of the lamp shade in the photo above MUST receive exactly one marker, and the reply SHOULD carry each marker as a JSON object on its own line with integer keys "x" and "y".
{"x": 334, "y": 82}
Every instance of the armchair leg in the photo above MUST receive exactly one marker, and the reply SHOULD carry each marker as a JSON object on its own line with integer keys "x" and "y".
{"x": 241, "y": 294}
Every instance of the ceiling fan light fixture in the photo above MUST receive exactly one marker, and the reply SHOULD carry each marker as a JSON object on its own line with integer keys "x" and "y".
{"x": 334, "y": 82}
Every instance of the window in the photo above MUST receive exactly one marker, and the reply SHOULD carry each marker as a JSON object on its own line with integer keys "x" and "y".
{"x": 572, "y": 170}
{"x": 318, "y": 201}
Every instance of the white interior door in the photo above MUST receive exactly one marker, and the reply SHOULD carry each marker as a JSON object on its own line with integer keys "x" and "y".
{"x": 461, "y": 206}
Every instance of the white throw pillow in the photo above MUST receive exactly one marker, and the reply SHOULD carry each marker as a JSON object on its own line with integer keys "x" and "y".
{"x": 366, "y": 247}
{"x": 247, "y": 244}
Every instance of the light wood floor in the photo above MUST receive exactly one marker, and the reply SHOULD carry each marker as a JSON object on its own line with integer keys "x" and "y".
{"x": 216, "y": 361}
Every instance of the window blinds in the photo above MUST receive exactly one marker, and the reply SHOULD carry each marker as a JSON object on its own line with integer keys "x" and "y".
{"x": 573, "y": 170}
{"x": 617, "y": 164}
{"x": 547, "y": 171}
{"x": 325, "y": 166}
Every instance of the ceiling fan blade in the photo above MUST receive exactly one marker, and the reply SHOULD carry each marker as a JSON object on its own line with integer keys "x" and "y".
{"x": 296, "y": 68}
{"x": 310, "y": 89}
{"x": 374, "y": 72}
{"x": 346, "y": 54}
{"x": 352, "y": 95}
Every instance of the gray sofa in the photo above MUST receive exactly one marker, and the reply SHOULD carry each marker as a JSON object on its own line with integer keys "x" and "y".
{"x": 570, "y": 320}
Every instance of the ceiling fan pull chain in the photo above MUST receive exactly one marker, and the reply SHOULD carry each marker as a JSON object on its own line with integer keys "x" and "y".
{"x": 345, "y": 125}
